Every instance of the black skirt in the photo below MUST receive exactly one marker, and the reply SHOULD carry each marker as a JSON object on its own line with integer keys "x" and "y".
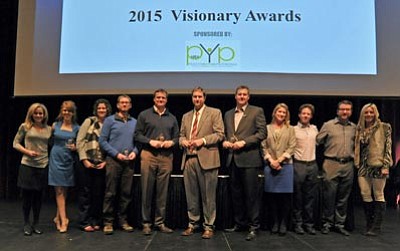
{"x": 31, "y": 178}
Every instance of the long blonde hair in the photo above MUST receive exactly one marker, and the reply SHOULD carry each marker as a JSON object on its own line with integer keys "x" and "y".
{"x": 361, "y": 120}
{"x": 287, "y": 118}
{"x": 29, "y": 115}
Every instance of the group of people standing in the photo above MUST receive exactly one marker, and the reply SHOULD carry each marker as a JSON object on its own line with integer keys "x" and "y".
{"x": 108, "y": 146}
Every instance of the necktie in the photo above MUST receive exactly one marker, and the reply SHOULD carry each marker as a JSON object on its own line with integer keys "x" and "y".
{"x": 193, "y": 134}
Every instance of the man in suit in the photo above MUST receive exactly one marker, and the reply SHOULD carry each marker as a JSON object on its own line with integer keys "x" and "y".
{"x": 245, "y": 129}
{"x": 201, "y": 131}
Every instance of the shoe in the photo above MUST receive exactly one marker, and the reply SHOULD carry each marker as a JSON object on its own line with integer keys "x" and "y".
{"x": 57, "y": 222}
{"x": 371, "y": 233}
{"x": 207, "y": 234}
{"x": 251, "y": 235}
{"x": 64, "y": 226}
{"x": 299, "y": 230}
{"x": 88, "y": 229}
{"x": 27, "y": 230}
{"x": 146, "y": 230}
{"x": 188, "y": 231}
{"x": 235, "y": 228}
{"x": 311, "y": 230}
{"x": 282, "y": 230}
{"x": 325, "y": 230}
{"x": 36, "y": 230}
{"x": 274, "y": 229}
{"x": 342, "y": 231}
{"x": 164, "y": 229}
{"x": 96, "y": 228}
{"x": 126, "y": 227}
{"x": 108, "y": 229}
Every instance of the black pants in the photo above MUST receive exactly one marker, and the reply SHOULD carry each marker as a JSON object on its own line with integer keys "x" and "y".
{"x": 305, "y": 189}
{"x": 245, "y": 196}
{"x": 91, "y": 194}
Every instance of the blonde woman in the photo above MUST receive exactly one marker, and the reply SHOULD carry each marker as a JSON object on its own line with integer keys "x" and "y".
{"x": 373, "y": 158}
{"x": 61, "y": 163}
{"x": 32, "y": 141}
{"x": 278, "y": 149}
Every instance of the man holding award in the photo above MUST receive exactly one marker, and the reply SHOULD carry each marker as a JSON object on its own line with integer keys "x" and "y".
{"x": 157, "y": 131}
{"x": 201, "y": 131}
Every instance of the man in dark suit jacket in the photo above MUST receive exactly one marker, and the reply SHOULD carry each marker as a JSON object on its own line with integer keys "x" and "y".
{"x": 245, "y": 128}
{"x": 201, "y": 131}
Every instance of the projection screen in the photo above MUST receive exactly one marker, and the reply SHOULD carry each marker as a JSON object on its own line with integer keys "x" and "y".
{"x": 289, "y": 47}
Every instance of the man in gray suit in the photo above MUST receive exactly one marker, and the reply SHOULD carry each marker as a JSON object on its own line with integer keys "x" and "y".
{"x": 245, "y": 129}
{"x": 201, "y": 131}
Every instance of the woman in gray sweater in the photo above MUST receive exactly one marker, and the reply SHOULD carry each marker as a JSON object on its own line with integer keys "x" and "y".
{"x": 32, "y": 141}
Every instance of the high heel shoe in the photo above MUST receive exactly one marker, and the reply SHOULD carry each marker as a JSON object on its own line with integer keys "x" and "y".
{"x": 56, "y": 221}
{"x": 64, "y": 226}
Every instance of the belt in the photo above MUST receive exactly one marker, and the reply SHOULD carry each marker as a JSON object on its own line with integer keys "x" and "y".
{"x": 340, "y": 160}
{"x": 307, "y": 163}
{"x": 190, "y": 156}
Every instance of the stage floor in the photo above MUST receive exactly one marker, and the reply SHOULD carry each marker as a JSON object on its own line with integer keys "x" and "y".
{"x": 12, "y": 238}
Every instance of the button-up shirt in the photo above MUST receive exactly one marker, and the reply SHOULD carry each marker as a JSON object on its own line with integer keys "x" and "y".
{"x": 337, "y": 138}
{"x": 305, "y": 142}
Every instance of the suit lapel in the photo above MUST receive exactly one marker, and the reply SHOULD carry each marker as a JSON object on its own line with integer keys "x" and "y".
{"x": 242, "y": 120}
{"x": 202, "y": 119}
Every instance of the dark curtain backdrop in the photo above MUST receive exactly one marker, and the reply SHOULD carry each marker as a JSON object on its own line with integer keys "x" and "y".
{"x": 13, "y": 109}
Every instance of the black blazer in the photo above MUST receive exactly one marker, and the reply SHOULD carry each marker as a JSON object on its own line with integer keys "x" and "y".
{"x": 251, "y": 129}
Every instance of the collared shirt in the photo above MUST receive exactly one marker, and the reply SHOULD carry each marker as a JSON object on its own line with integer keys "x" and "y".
{"x": 338, "y": 138}
{"x": 305, "y": 142}
{"x": 239, "y": 115}
{"x": 200, "y": 112}
{"x": 157, "y": 111}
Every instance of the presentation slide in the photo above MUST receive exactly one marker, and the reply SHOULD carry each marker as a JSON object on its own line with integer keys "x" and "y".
{"x": 277, "y": 47}
{"x": 277, "y": 36}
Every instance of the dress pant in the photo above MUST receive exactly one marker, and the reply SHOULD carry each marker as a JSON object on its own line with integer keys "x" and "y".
{"x": 305, "y": 189}
{"x": 245, "y": 196}
{"x": 338, "y": 182}
{"x": 119, "y": 177}
{"x": 200, "y": 187}
{"x": 155, "y": 172}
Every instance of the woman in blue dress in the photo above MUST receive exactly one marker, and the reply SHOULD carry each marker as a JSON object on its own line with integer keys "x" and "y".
{"x": 278, "y": 149}
{"x": 61, "y": 162}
